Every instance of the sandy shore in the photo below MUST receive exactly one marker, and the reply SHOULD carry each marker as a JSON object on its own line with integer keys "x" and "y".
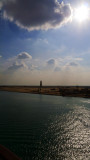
{"x": 69, "y": 91}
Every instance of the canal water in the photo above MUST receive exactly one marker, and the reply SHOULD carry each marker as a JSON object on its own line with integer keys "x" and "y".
{"x": 42, "y": 127}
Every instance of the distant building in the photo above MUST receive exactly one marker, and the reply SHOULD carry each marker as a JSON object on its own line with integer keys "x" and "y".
{"x": 40, "y": 83}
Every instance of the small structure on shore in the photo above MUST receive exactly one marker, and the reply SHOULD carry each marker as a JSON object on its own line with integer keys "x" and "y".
{"x": 40, "y": 84}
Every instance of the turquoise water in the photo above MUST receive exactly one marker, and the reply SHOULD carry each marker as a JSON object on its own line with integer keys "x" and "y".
{"x": 41, "y": 127}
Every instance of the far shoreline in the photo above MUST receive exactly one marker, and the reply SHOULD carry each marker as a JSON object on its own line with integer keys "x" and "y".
{"x": 65, "y": 91}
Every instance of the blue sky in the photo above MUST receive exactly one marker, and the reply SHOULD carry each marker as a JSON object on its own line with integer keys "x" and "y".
{"x": 49, "y": 45}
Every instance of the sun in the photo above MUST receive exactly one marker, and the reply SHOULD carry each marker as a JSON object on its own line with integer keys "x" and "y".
{"x": 81, "y": 13}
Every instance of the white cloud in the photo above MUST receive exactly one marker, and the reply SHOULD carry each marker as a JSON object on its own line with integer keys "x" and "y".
{"x": 79, "y": 59}
{"x": 73, "y": 64}
{"x": 15, "y": 66}
{"x": 22, "y": 60}
{"x": 51, "y": 62}
{"x": 24, "y": 55}
{"x": 33, "y": 67}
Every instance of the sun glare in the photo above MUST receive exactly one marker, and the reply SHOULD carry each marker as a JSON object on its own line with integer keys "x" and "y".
{"x": 81, "y": 13}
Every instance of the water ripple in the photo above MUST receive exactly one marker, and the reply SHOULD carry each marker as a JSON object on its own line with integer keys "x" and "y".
{"x": 67, "y": 137}
{"x": 38, "y": 127}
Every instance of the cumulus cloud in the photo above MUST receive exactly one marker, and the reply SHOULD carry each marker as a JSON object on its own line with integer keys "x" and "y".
{"x": 0, "y": 56}
{"x": 73, "y": 64}
{"x": 33, "y": 67}
{"x": 79, "y": 59}
{"x": 15, "y": 66}
{"x": 21, "y": 61}
{"x": 51, "y": 62}
{"x": 24, "y": 55}
{"x": 37, "y": 14}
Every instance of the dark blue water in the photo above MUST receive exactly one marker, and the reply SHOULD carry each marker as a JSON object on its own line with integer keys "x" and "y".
{"x": 41, "y": 127}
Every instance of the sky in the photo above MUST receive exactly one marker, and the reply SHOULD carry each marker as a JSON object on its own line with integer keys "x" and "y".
{"x": 44, "y": 40}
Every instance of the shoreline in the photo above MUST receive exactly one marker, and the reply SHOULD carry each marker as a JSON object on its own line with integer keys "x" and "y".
{"x": 65, "y": 91}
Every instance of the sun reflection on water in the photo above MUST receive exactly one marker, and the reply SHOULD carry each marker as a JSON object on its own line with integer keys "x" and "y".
{"x": 68, "y": 136}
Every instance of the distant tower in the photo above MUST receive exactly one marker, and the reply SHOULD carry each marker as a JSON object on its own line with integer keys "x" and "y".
{"x": 40, "y": 84}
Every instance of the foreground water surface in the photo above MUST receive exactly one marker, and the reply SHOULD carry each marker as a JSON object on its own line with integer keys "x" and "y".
{"x": 41, "y": 127}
